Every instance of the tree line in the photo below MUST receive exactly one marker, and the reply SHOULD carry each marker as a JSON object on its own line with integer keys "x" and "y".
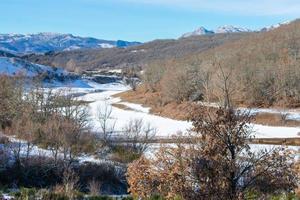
{"x": 264, "y": 70}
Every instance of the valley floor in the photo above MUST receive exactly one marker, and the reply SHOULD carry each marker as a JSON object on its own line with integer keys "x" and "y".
{"x": 102, "y": 95}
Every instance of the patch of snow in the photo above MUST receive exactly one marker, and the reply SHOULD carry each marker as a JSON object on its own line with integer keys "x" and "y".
{"x": 118, "y": 71}
{"x": 290, "y": 113}
{"x": 7, "y": 197}
{"x": 70, "y": 48}
{"x": 120, "y": 117}
{"x": 37, "y": 151}
{"x": 262, "y": 131}
{"x": 106, "y": 45}
{"x": 139, "y": 50}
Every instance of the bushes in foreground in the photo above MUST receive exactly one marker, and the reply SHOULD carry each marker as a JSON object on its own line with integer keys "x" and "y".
{"x": 216, "y": 163}
{"x": 41, "y": 172}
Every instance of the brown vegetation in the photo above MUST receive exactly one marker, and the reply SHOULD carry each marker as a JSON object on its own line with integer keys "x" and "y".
{"x": 53, "y": 121}
{"x": 263, "y": 70}
{"x": 121, "y": 106}
{"x": 153, "y": 100}
{"x": 218, "y": 163}
{"x": 181, "y": 111}
{"x": 273, "y": 119}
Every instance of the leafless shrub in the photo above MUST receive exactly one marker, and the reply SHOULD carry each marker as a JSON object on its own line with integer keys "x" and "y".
{"x": 70, "y": 183}
{"x": 94, "y": 187}
{"x": 182, "y": 83}
{"x": 139, "y": 135}
{"x": 106, "y": 121}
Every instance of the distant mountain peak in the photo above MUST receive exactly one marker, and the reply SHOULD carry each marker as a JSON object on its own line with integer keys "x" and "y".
{"x": 199, "y": 31}
{"x": 222, "y": 29}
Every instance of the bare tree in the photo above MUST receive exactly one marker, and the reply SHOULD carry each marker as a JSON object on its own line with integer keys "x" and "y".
{"x": 53, "y": 135}
{"x": 139, "y": 134}
{"x": 106, "y": 121}
{"x": 11, "y": 94}
{"x": 73, "y": 109}
{"x": 16, "y": 149}
{"x": 25, "y": 128}
{"x": 225, "y": 84}
{"x": 153, "y": 75}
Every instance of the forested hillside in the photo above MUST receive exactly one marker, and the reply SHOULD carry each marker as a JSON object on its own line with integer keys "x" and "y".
{"x": 133, "y": 56}
{"x": 260, "y": 69}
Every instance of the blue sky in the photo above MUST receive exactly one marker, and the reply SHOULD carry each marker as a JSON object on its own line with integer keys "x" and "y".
{"x": 141, "y": 20}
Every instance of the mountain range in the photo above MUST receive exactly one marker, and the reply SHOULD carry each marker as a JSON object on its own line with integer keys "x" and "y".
{"x": 45, "y": 42}
{"x": 21, "y": 44}
{"x": 230, "y": 29}
{"x": 79, "y": 54}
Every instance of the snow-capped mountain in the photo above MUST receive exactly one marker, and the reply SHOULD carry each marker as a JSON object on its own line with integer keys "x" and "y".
{"x": 200, "y": 31}
{"x": 221, "y": 29}
{"x": 231, "y": 29}
{"x": 275, "y": 26}
{"x": 12, "y": 66}
{"x": 45, "y": 42}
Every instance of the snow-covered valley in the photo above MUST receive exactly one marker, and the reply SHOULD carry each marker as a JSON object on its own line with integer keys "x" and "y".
{"x": 100, "y": 95}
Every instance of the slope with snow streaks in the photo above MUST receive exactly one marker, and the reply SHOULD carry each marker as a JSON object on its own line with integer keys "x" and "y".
{"x": 15, "y": 66}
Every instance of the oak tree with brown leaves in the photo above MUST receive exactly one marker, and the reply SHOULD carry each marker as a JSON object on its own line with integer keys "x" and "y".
{"x": 216, "y": 163}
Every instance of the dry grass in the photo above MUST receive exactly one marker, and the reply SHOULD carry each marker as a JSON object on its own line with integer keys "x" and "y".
{"x": 182, "y": 111}
{"x": 276, "y": 141}
{"x": 158, "y": 107}
{"x": 272, "y": 119}
{"x": 121, "y": 106}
